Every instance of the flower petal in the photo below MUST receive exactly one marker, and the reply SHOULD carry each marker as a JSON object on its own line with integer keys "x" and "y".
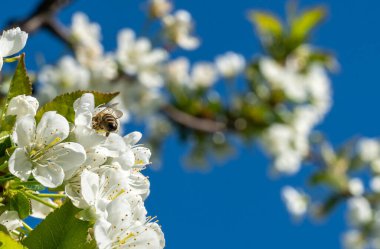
{"x": 69, "y": 156}
{"x": 12, "y": 41}
{"x": 10, "y": 220}
{"x": 84, "y": 107}
{"x": 40, "y": 210}
{"x": 132, "y": 138}
{"x": 50, "y": 175}
{"x": 53, "y": 127}
{"x": 20, "y": 164}
{"x": 22, "y": 105}
{"x": 90, "y": 186}
{"x": 24, "y": 133}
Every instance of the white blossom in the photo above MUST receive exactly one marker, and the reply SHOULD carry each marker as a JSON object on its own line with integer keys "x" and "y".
{"x": 10, "y": 220}
{"x": 203, "y": 74}
{"x": 126, "y": 226}
{"x": 368, "y": 149}
{"x": 355, "y": 186}
{"x": 68, "y": 75}
{"x": 230, "y": 64}
{"x": 22, "y": 105}
{"x": 177, "y": 71}
{"x": 159, "y": 8}
{"x": 40, "y": 210}
{"x": 359, "y": 211}
{"x": 296, "y": 202}
{"x": 11, "y": 42}
{"x": 138, "y": 59}
{"x": 41, "y": 152}
{"x": 353, "y": 240}
{"x": 178, "y": 30}
{"x": 375, "y": 184}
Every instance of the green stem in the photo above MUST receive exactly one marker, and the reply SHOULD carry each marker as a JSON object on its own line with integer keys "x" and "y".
{"x": 36, "y": 198}
{"x": 27, "y": 227}
{"x": 52, "y": 195}
{"x": 7, "y": 179}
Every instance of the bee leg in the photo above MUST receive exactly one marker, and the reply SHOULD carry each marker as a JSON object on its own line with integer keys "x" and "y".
{"x": 107, "y": 133}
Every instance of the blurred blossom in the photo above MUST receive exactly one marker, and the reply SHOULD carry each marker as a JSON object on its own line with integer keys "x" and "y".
{"x": 159, "y": 8}
{"x": 375, "y": 184}
{"x": 178, "y": 30}
{"x": 359, "y": 211}
{"x": 86, "y": 37}
{"x": 368, "y": 149}
{"x": 353, "y": 240}
{"x": 177, "y": 71}
{"x": 203, "y": 74}
{"x": 137, "y": 58}
{"x": 68, "y": 74}
{"x": 230, "y": 64}
{"x": 355, "y": 186}
{"x": 295, "y": 201}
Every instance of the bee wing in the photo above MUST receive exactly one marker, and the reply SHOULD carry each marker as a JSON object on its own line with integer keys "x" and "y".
{"x": 118, "y": 113}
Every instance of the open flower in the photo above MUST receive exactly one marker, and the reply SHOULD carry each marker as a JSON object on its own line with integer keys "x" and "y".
{"x": 126, "y": 226}
{"x": 41, "y": 152}
{"x": 11, "y": 42}
{"x": 10, "y": 220}
{"x": 178, "y": 30}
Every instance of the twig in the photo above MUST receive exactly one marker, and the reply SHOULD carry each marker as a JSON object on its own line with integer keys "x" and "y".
{"x": 44, "y": 16}
{"x": 205, "y": 125}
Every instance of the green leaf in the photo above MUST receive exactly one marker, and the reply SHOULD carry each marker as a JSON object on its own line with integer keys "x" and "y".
{"x": 6, "y": 242}
{"x": 60, "y": 230}
{"x": 63, "y": 104}
{"x": 304, "y": 23}
{"x": 21, "y": 203}
{"x": 20, "y": 84}
{"x": 266, "y": 23}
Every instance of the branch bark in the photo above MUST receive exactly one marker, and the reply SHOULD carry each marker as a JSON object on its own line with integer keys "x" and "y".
{"x": 44, "y": 16}
{"x": 205, "y": 125}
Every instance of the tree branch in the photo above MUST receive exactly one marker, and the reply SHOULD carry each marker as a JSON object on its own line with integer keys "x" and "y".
{"x": 205, "y": 125}
{"x": 44, "y": 17}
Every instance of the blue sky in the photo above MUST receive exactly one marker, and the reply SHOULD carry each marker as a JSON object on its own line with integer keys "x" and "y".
{"x": 236, "y": 204}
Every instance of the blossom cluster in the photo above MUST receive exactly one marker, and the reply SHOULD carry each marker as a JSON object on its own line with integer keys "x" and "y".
{"x": 138, "y": 69}
{"x": 309, "y": 94}
{"x": 100, "y": 174}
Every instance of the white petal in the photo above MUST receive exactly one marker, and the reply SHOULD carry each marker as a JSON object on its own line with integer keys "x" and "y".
{"x": 132, "y": 138}
{"x": 10, "y": 220}
{"x": 12, "y": 41}
{"x": 88, "y": 137}
{"x": 115, "y": 143}
{"x": 22, "y": 105}
{"x": 24, "y": 133}
{"x": 140, "y": 184}
{"x": 69, "y": 156}
{"x": 126, "y": 159}
{"x": 90, "y": 186}
{"x": 101, "y": 235}
{"x": 53, "y": 127}
{"x": 84, "y": 107}
{"x": 50, "y": 175}
{"x": 20, "y": 164}
{"x": 40, "y": 210}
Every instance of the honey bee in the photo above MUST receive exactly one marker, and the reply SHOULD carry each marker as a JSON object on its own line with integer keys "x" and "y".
{"x": 106, "y": 120}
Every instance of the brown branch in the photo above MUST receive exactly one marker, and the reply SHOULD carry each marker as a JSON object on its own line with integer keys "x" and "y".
{"x": 185, "y": 119}
{"x": 44, "y": 17}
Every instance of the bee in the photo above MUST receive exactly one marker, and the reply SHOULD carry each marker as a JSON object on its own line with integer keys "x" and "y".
{"x": 106, "y": 120}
